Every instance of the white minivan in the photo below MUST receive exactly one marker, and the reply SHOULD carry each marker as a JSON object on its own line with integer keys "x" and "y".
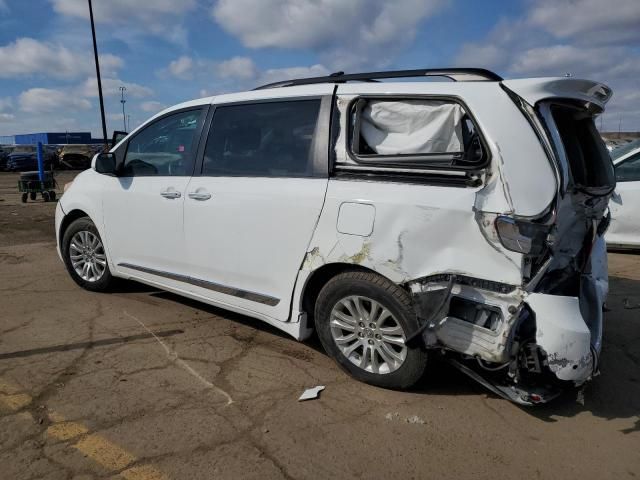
{"x": 462, "y": 218}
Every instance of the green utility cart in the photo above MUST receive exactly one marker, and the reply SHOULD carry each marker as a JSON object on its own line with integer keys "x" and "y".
{"x": 30, "y": 186}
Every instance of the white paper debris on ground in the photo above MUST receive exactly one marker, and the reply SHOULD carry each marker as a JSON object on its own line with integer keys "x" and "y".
{"x": 415, "y": 419}
{"x": 311, "y": 393}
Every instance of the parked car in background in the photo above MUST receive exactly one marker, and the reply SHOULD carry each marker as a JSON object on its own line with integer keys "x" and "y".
{"x": 5, "y": 150}
{"x": 24, "y": 157}
{"x": 76, "y": 157}
{"x": 401, "y": 220}
{"x": 624, "y": 231}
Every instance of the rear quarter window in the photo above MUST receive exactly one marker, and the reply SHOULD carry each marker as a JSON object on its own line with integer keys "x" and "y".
{"x": 414, "y": 132}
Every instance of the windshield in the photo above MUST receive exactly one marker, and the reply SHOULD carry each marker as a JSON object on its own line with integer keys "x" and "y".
{"x": 618, "y": 152}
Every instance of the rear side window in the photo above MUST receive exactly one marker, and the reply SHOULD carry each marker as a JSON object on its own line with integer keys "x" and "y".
{"x": 165, "y": 147}
{"x": 629, "y": 170}
{"x": 262, "y": 139}
{"x": 588, "y": 158}
{"x": 414, "y": 132}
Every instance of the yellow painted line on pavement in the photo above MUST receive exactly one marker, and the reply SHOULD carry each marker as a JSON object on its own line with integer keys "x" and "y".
{"x": 66, "y": 430}
{"x": 16, "y": 401}
{"x": 92, "y": 445}
{"x": 143, "y": 472}
{"x": 108, "y": 454}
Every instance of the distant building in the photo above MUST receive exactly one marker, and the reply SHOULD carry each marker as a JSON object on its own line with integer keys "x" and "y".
{"x": 48, "y": 138}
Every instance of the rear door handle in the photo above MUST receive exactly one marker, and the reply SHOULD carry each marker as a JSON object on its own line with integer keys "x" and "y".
{"x": 170, "y": 193}
{"x": 200, "y": 195}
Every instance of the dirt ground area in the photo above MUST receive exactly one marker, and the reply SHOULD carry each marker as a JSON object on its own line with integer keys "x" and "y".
{"x": 140, "y": 384}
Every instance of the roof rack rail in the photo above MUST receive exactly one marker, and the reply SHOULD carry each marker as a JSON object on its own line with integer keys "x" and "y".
{"x": 455, "y": 74}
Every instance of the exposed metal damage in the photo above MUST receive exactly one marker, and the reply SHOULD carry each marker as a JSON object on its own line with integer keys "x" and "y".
{"x": 508, "y": 279}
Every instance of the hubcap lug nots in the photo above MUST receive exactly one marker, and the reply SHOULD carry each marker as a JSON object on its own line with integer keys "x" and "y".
{"x": 361, "y": 334}
{"x": 361, "y": 324}
{"x": 372, "y": 325}
{"x": 370, "y": 342}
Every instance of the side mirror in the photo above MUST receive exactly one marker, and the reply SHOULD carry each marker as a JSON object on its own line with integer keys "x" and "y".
{"x": 105, "y": 163}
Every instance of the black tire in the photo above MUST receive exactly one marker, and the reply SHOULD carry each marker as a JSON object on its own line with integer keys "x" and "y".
{"x": 32, "y": 195}
{"x": 25, "y": 195}
{"x": 84, "y": 224}
{"x": 45, "y": 196}
{"x": 52, "y": 195}
{"x": 396, "y": 300}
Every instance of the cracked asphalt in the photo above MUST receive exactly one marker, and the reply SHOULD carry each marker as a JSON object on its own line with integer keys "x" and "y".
{"x": 141, "y": 384}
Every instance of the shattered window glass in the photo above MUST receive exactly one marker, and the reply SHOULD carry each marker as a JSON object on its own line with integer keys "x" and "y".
{"x": 414, "y": 131}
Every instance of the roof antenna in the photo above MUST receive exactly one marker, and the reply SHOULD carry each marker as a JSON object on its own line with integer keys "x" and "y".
{"x": 567, "y": 75}
{"x": 336, "y": 74}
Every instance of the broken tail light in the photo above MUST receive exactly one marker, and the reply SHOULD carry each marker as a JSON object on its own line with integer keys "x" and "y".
{"x": 522, "y": 236}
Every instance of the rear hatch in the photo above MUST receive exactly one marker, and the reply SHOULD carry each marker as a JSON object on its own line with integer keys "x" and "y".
{"x": 563, "y": 112}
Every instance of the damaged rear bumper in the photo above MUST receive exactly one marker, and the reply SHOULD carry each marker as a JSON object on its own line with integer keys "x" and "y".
{"x": 563, "y": 336}
{"x": 524, "y": 345}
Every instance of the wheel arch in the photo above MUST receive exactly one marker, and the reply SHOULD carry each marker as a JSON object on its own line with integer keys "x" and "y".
{"x": 68, "y": 219}
{"x": 318, "y": 278}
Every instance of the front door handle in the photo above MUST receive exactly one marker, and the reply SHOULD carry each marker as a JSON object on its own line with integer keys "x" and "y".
{"x": 170, "y": 193}
{"x": 200, "y": 195}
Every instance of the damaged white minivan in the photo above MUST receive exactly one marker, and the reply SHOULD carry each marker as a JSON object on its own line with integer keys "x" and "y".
{"x": 462, "y": 218}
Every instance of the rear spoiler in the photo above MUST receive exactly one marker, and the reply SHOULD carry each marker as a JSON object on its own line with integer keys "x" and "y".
{"x": 533, "y": 90}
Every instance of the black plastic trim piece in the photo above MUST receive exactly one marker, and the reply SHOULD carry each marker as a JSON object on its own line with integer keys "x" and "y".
{"x": 490, "y": 285}
{"x": 370, "y": 175}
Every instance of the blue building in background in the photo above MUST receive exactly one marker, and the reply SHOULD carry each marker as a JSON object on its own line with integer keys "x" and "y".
{"x": 48, "y": 138}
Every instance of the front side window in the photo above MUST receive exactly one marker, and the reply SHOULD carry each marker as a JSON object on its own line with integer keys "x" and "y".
{"x": 262, "y": 139}
{"x": 164, "y": 148}
{"x": 414, "y": 132}
{"x": 629, "y": 170}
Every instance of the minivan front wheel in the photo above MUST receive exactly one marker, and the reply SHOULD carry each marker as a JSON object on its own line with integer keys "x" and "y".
{"x": 363, "y": 321}
{"x": 85, "y": 256}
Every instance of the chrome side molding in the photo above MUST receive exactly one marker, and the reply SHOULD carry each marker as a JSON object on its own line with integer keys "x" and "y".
{"x": 216, "y": 287}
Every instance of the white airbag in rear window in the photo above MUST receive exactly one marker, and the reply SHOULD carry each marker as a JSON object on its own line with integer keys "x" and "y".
{"x": 412, "y": 127}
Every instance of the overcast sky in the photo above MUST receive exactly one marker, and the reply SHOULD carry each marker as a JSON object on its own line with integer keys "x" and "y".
{"x": 168, "y": 51}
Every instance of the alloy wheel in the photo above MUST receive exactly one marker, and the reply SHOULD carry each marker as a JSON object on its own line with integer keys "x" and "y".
{"x": 368, "y": 334}
{"x": 87, "y": 256}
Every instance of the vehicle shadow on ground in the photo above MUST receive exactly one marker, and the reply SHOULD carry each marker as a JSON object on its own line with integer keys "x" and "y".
{"x": 614, "y": 394}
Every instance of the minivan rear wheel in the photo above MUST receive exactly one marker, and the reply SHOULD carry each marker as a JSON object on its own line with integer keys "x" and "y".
{"x": 85, "y": 256}
{"x": 363, "y": 321}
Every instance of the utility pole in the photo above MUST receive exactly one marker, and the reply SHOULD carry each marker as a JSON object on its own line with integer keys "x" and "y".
{"x": 123, "y": 101}
{"x": 95, "y": 55}
{"x": 620, "y": 127}
{"x": 128, "y": 129}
